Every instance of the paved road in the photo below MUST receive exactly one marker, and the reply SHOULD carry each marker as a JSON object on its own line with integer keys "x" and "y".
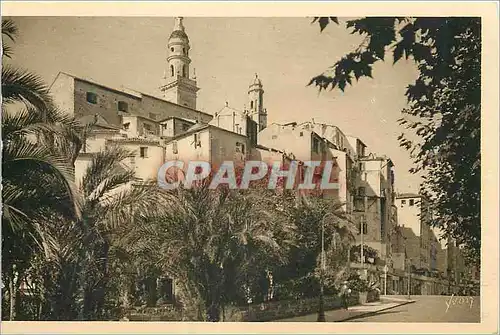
{"x": 430, "y": 309}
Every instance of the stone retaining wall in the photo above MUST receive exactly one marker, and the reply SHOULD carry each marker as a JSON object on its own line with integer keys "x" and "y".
{"x": 257, "y": 313}
{"x": 284, "y": 309}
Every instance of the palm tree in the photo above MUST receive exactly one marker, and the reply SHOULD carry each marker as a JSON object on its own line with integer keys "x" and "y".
{"x": 111, "y": 198}
{"x": 343, "y": 232}
{"x": 29, "y": 164}
{"x": 209, "y": 246}
{"x": 300, "y": 277}
{"x": 73, "y": 274}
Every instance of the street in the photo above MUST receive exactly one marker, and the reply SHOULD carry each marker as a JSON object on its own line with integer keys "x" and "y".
{"x": 430, "y": 309}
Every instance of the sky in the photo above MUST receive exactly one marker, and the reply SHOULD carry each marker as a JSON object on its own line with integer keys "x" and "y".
{"x": 226, "y": 53}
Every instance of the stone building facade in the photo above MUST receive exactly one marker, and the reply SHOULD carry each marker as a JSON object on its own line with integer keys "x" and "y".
{"x": 167, "y": 125}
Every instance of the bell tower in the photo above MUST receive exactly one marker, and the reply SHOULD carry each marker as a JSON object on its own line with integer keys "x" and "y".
{"x": 178, "y": 85}
{"x": 256, "y": 103}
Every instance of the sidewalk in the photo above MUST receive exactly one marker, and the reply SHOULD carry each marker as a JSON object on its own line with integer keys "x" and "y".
{"x": 340, "y": 315}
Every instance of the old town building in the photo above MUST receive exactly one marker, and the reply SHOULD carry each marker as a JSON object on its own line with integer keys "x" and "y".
{"x": 167, "y": 125}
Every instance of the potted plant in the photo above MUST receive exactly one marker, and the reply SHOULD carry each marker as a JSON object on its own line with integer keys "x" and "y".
{"x": 359, "y": 285}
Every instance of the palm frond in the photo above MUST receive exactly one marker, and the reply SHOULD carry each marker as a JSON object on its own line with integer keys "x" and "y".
{"x": 106, "y": 172}
{"x": 29, "y": 121}
{"x": 26, "y": 87}
{"x": 28, "y": 164}
{"x": 9, "y": 29}
{"x": 6, "y": 50}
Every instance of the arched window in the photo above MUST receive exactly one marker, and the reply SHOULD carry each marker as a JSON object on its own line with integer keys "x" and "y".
{"x": 251, "y": 104}
{"x": 184, "y": 70}
{"x": 171, "y": 70}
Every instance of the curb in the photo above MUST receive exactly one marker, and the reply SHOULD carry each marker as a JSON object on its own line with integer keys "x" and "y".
{"x": 375, "y": 312}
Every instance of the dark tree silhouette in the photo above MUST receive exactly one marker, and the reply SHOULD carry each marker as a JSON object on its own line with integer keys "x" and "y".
{"x": 444, "y": 108}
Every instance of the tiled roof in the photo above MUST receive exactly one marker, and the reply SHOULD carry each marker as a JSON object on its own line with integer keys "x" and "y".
{"x": 96, "y": 120}
{"x": 135, "y": 140}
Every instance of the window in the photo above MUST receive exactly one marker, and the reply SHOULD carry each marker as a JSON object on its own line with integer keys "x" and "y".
{"x": 412, "y": 202}
{"x": 251, "y": 104}
{"x": 315, "y": 144}
{"x": 362, "y": 220}
{"x": 184, "y": 71}
{"x": 171, "y": 70}
{"x": 403, "y": 202}
{"x": 144, "y": 152}
{"x": 365, "y": 176}
{"x": 359, "y": 205}
{"x": 365, "y": 229}
{"x": 126, "y": 125}
{"x": 174, "y": 147}
{"x": 361, "y": 191}
{"x": 301, "y": 133}
{"x": 153, "y": 116}
{"x": 240, "y": 147}
{"x": 185, "y": 127}
{"x": 184, "y": 51}
{"x": 361, "y": 151}
{"x": 122, "y": 106}
{"x": 91, "y": 98}
{"x": 172, "y": 49}
{"x": 197, "y": 142}
{"x": 147, "y": 126}
{"x": 362, "y": 166}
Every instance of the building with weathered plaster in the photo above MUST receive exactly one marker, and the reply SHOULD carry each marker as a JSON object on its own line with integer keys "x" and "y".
{"x": 373, "y": 202}
{"x": 236, "y": 121}
{"x": 207, "y": 143}
{"x": 302, "y": 143}
{"x": 79, "y": 97}
{"x": 413, "y": 213}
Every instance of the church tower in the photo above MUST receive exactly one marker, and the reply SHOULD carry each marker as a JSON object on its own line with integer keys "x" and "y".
{"x": 178, "y": 86}
{"x": 256, "y": 103}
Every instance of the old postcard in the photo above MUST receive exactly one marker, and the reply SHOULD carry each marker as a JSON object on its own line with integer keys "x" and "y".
{"x": 241, "y": 167}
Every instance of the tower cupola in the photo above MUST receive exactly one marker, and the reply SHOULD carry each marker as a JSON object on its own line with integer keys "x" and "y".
{"x": 178, "y": 86}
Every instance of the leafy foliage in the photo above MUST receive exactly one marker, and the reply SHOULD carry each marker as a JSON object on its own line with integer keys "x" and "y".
{"x": 9, "y": 30}
{"x": 358, "y": 284}
{"x": 30, "y": 162}
{"x": 218, "y": 255}
{"x": 444, "y": 106}
{"x": 304, "y": 257}
{"x": 368, "y": 252}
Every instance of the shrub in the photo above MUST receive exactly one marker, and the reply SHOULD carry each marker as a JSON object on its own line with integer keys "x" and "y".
{"x": 358, "y": 284}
